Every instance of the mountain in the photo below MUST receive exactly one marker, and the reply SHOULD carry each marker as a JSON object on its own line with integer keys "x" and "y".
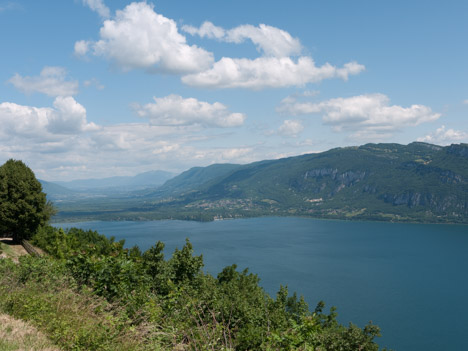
{"x": 149, "y": 179}
{"x": 55, "y": 192}
{"x": 192, "y": 179}
{"x": 416, "y": 182}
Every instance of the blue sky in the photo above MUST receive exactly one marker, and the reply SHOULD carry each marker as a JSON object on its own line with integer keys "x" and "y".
{"x": 95, "y": 88}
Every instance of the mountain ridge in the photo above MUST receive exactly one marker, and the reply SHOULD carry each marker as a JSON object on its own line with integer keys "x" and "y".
{"x": 418, "y": 182}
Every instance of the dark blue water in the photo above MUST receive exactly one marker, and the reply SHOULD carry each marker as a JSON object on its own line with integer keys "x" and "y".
{"x": 410, "y": 279}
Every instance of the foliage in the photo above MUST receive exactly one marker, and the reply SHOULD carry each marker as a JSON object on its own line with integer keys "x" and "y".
{"x": 40, "y": 291}
{"x": 23, "y": 205}
{"x": 172, "y": 300}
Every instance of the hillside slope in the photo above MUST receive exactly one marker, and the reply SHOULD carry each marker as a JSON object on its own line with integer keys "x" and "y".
{"x": 379, "y": 181}
{"x": 415, "y": 182}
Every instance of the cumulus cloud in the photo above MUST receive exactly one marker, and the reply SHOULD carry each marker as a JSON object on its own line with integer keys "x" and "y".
{"x": 265, "y": 72}
{"x": 275, "y": 67}
{"x": 99, "y": 7}
{"x": 66, "y": 117}
{"x": 51, "y": 81}
{"x": 443, "y": 136}
{"x": 269, "y": 40}
{"x": 138, "y": 37}
{"x": 173, "y": 110}
{"x": 291, "y": 128}
{"x": 368, "y": 115}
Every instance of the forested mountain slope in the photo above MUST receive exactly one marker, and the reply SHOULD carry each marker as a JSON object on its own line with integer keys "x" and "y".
{"x": 415, "y": 182}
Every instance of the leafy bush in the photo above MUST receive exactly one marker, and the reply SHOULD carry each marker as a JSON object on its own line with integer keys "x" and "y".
{"x": 173, "y": 301}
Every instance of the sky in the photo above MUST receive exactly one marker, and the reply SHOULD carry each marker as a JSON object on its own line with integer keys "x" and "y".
{"x": 98, "y": 88}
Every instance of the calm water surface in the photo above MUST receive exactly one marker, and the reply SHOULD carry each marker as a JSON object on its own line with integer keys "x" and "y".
{"x": 409, "y": 279}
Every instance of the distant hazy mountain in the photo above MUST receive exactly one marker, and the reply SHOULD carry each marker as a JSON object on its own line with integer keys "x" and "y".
{"x": 192, "y": 179}
{"x": 149, "y": 179}
{"x": 55, "y": 192}
{"x": 415, "y": 182}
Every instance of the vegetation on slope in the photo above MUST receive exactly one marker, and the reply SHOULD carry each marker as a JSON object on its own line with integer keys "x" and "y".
{"x": 92, "y": 294}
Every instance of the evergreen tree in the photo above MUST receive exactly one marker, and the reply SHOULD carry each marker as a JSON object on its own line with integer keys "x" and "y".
{"x": 23, "y": 205}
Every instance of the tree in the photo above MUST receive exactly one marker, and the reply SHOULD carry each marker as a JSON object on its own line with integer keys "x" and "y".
{"x": 23, "y": 205}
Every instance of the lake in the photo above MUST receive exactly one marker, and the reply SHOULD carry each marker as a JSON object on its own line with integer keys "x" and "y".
{"x": 410, "y": 279}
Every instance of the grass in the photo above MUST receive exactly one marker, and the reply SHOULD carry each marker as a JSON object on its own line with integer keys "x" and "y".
{"x": 7, "y": 250}
{"x": 16, "y": 335}
{"x": 37, "y": 291}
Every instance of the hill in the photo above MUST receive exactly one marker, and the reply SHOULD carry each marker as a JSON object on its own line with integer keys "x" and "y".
{"x": 192, "y": 179}
{"x": 56, "y": 192}
{"x": 415, "y": 182}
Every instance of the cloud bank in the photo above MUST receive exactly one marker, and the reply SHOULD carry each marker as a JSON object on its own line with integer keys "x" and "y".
{"x": 365, "y": 115}
{"x": 173, "y": 110}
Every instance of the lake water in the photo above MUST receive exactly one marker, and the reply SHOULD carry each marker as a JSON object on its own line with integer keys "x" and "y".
{"x": 410, "y": 279}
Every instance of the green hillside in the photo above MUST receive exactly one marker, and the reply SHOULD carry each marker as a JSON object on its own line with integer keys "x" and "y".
{"x": 193, "y": 178}
{"x": 415, "y": 182}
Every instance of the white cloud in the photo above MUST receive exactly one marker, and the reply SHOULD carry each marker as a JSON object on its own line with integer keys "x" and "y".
{"x": 70, "y": 147}
{"x": 43, "y": 123}
{"x": 367, "y": 115}
{"x": 69, "y": 117}
{"x": 99, "y": 7}
{"x": 138, "y": 37}
{"x": 51, "y": 81}
{"x": 291, "y": 128}
{"x": 269, "y": 40}
{"x": 82, "y": 47}
{"x": 173, "y": 110}
{"x": 443, "y": 136}
{"x": 274, "y": 69}
{"x": 207, "y": 29}
{"x": 465, "y": 102}
{"x": 268, "y": 72}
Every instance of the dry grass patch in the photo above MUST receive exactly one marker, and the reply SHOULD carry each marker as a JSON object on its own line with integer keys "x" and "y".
{"x": 16, "y": 335}
{"x": 8, "y": 250}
